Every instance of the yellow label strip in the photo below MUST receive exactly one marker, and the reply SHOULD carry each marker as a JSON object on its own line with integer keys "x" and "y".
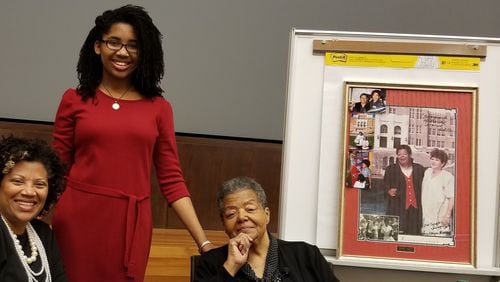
{"x": 401, "y": 61}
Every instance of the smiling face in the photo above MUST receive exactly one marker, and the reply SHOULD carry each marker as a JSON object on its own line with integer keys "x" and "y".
{"x": 375, "y": 96}
{"x": 243, "y": 213}
{"x": 363, "y": 99}
{"x": 403, "y": 157}
{"x": 436, "y": 164}
{"x": 23, "y": 192}
{"x": 118, "y": 64}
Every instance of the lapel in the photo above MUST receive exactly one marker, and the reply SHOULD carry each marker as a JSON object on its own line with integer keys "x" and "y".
{"x": 3, "y": 244}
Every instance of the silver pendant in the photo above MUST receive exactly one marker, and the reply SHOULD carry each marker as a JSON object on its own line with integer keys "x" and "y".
{"x": 115, "y": 106}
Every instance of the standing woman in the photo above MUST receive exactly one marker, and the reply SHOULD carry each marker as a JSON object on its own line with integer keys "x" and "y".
{"x": 438, "y": 197}
{"x": 403, "y": 182}
{"x": 111, "y": 129}
{"x": 32, "y": 178}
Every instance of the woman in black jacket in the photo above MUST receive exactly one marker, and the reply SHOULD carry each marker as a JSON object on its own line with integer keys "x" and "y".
{"x": 31, "y": 181}
{"x": 252, "y": 253}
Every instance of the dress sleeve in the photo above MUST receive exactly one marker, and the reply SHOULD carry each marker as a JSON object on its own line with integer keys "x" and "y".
{"x": 209, "y": 267}
{"x": 389, "y": 180}
{"x": 64, "y": 128}
{"x": 213, "y": 274}
{"x": 449, "y": 188}
{"x": 168, "y": 169}
{"x": 304, "y": 262}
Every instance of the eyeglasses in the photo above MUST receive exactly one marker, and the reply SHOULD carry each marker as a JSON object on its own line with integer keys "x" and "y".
{"x": 116, "y": 45}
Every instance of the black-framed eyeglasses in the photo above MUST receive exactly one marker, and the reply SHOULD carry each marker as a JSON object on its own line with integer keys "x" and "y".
{"x": 116, "y": 45}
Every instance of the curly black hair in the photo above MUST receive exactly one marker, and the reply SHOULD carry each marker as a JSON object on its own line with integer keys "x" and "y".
{"x": 146, "y": 77}
{"x": 15, "y": 149}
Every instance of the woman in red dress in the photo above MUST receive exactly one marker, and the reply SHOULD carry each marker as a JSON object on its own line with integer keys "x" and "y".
{"x": 111, "y": 130}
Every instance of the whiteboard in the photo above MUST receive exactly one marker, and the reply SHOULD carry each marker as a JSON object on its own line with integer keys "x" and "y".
{"x": 311, "y": 169}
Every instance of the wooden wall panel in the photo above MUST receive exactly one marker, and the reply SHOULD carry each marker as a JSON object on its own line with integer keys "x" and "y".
{"x": 26, "y": 129}
{"x": 206, "y": 163}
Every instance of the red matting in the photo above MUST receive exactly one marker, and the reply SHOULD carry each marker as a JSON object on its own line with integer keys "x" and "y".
{"x": 461, "y": 252}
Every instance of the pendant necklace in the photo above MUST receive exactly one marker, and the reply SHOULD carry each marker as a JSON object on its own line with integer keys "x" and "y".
{"x": 116, "y": 105}
{"x": 37, "y": 249}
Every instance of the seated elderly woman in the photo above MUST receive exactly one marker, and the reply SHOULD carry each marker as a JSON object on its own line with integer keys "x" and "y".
{"x": 31, "y": 181}
{"x": 252, "y": 253}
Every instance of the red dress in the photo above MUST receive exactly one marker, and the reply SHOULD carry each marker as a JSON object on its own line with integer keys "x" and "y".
{"x": 103, "y": 220}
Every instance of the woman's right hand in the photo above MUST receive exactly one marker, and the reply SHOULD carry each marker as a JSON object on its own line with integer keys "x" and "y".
{"x": 237, "y": 253}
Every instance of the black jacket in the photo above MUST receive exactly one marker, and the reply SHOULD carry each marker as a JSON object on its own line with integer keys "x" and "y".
{"x": 298, "y": 261}
{"x": 394, "y": 177}
{"x": 11, "y": 268}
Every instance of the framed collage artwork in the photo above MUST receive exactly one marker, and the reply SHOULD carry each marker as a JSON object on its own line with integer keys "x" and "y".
{"x": 409, "y": 173}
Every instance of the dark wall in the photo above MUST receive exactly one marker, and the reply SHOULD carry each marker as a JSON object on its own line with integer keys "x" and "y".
{"x": 207, "y": 162}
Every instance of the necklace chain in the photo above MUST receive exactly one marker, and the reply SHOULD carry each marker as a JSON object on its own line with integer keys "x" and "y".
{"x": 116, "y": 105}
{"x": 35, "y": 244}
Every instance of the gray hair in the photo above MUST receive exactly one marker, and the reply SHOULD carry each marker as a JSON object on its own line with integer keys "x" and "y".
{"x": 237, "y": 184}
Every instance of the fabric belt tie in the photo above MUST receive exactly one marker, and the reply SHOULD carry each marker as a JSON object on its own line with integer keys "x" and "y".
{"x": 134, "y": 213}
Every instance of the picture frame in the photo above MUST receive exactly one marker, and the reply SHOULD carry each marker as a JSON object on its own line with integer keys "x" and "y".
{"x": 408, "y": 181}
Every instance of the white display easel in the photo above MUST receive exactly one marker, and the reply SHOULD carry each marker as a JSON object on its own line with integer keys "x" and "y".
{"x": 311, "y": 171}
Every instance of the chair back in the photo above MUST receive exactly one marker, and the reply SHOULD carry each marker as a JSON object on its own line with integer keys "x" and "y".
{"x": 194, "y": 262}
